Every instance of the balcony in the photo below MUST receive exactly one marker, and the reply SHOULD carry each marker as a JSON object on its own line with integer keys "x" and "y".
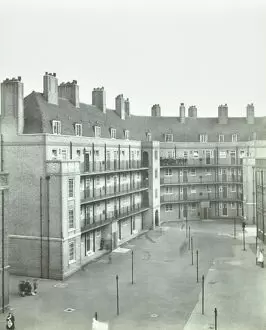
{"x": 111, "y": 192}
{"x": 204, "y": 181}
{"x": 96, "y": 167}
{"x": 102, "y": 220}
{"x": 204, "y": 197}
{"x": 199, "y": 162}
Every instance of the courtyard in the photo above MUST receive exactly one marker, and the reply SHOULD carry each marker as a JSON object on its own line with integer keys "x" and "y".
{"x": 165, "y": 293}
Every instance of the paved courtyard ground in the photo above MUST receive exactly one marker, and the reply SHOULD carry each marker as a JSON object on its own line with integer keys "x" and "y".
{"x": 165, "y": 293}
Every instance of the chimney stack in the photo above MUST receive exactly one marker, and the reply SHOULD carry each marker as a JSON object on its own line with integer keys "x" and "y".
{"x": 12, "y": 106}
{"x": 127, "y": 107}
{"x": 156, "y": 110}
{"x": 192, "y": 111}
{"x": 250, "y": 114}
{"x": 120, "y": 106}
{"x": 223, "y": 114}
{"x": 70, "y": 91}
{"x": 50, "y": 88}
{"x": 182, "y": 113}
{"x": 99, "y": 98}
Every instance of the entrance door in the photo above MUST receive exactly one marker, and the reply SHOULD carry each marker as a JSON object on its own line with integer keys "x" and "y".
{"x": 224, "y": 209}
{"x": 205, "y": 213}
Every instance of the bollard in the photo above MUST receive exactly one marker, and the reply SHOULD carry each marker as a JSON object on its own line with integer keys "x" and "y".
{"x": 215, "y": 318}
{"x": 189, "y": 237}
{"x": 234, "y": 228}
{"x": 192, "y": 251}
{"x": 197, "y": 266}
{"x": 202, "y": 295}
{"x": 132, "y": 268}
{"x": 117, "y": 296}
{"x": 96, "y": 316}
{"x": 243, "y": 228}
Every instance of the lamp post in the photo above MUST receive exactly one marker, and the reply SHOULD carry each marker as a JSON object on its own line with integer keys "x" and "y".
{"x": 186, "y": 224}
{"x": 192, "y": 251}
{"x": 189, "y": 237}
{"x": 117, "y": 296}
{"x": 234, "y": 228}
{"x": 243, "y": 228}
{"x": 132, "y": 268}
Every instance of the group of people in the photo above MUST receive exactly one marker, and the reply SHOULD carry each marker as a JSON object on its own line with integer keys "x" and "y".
{"x": 28, "y": 289}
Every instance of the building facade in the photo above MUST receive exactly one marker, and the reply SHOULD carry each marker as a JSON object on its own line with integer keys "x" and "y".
{"x": 84, "y": 179}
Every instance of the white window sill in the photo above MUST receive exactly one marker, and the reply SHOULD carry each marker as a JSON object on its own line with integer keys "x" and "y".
{"x": 71, "y": 262}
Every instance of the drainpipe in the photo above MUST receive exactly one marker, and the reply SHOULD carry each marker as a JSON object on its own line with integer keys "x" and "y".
{"x": 41, "y": 227}
{"x": 3, "y": 231}
{"x": 48, "y": 225}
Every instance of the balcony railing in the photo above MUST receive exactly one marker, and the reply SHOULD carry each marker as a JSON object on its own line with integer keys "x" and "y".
{"x": 103, "y": 220}
{"x": 110, "y": 166}
{"x": 203, "y": 181}
{"x": 89, "y": 195}
{"x": 204, "y": 162}
{"x": 203, "y": 197}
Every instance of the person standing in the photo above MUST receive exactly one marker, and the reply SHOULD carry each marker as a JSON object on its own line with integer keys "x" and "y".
{"x": 35, "y": 286}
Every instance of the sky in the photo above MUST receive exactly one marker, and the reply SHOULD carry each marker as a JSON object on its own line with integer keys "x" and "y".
{"x": 199, "y": 52}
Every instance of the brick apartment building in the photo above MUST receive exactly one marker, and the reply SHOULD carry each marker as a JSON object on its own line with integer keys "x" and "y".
{"x": 84, "y": 178}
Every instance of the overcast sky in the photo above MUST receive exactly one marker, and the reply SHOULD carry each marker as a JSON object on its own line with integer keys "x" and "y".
{"x": 200, "y": 52}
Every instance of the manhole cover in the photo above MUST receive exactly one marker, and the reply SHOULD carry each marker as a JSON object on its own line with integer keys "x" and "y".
{"x": 69, "y": 310}
{"x": 61, "y": 285}
{"x": 154, "y": 315}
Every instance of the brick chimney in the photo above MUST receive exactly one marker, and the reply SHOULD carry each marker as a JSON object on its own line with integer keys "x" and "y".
{"x": 127, "y": 107}
{"x": 12, "y": 106}
{"x": 50, "y": 88}
{"x": 156, "y": 110}
{"x": 250, "y": 114}
{"x": 223, "y": 114}
{"x": 182, "y": 113}
{"x": 99, "y": 98}
{"x": 120, "y": 106}
{"x": 70, "y": 91}
{"x": 192, "y": 111}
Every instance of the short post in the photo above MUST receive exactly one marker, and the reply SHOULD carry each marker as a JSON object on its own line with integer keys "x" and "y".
{"x": 215, "y": 318}
{"x": 189, "y": 237}
{"x": 132, "y": 268}
{"x": 243, "y": 228}
{"x": 234, "y": 228}
{"x": 192, "y": 251}
{"x": 256, "y": 250}
{"x": 197, "y": 266}
{"x": 202, "y": 295}
{"x": 186, "y": 225}
{"x": 96, "y": 316}
{"x": 117, "y": 296}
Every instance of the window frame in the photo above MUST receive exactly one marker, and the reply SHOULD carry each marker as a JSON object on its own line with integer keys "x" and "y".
{"x": 203, "y": 138}
{"x": 97, "y": 131}
{"x": 71, "y": 196}
{"x": 113, "y": 133}
{"x": 56, "y": 127}
{"x": 234, "y": 137}
{"x": 78, "y": 129}
{"x": 169, "y": 137}
{"x": 168, "y": 207}
{"x": 72, "y": 227}
{"x": 221, "y": 137}
{"x": 71, "y": 245}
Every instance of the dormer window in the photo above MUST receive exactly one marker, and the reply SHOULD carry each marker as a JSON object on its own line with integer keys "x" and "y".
{"x": 126, "y": 134}
{"x": 113, "y": 133}
{"x": 78, "y": 129}
{"x": 221, "y": 137}
{"x": 168, "y": 137}
{"x": 148, "y": 136}
{"x": 97, "y": 131}
{"x": 234, "y": 137}
{"x": 56, "y": 127}
{"x": 203, "y": 138}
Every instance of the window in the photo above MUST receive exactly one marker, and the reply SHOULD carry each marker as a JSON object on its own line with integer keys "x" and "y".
{"x": 221, "y": 138}
{"x": 168, "y": 190}
{"x": 208, "y": 171}
{"x": 156, "y": 193}
{"x": 242, "y": 153}
{"x": 222, "y": 154}
{"x": 54, "y": 153}
{"x": 148, "y": 137}
{"x": 168, "y": 172}
{"x": 168, "y": 137}
{"x": 193, "y": 189}
{"x": 193, "y": 172}
{"x": 203, "y": 138}
{"x": 71, "y": 252}
{"x": 156, "y": 154}
{"x": 233, "y": 205}
{"x": 195, "y": 154}
{"x": 71, "y": 219}
{"x": 113, "y": 133}
{"x": 126, "y": 134}
{"x": 97, "y": 179}
{"x": 220, "y": 189}
{"x": 156, "y": 174}
{"x": 78, "y": 129}
{"x": 168, "y": 207}
{"x": 97, "y": 131}
{"x": 56, "y": 127}
{"x": 193, "y": 206}
{"x": 240, "y": 205}
{"x": 220, "y": 171}
{"x": 78, "y": 152}
{"x": 234, "y": 137}
{"x": 209, "y": 189}
{"x": 70, "y": 188}
{"x": 233, "y": 188}
{"x": 185, "y": 154}
{"x": 64, "y": 154}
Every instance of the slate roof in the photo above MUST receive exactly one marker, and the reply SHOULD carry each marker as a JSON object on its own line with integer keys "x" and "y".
{"x": 39, "y": 115}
